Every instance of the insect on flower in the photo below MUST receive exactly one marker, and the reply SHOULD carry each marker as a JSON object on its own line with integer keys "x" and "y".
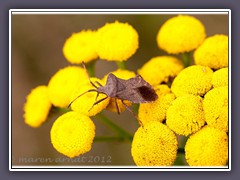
{"x": 135, "y": 90}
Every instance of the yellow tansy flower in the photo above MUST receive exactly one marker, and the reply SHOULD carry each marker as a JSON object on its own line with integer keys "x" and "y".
{"x": 123, "y": 74}
{"x": 116, "y": 41}
{"x": 62, "y": 84}
{"x": 37, "y": 106}
{"x": 154, "y": 145}
{"x": 194, "y": 79}
{"x": 72, "y": 134}
{"x": 181, "y": 34}
{"x": 84, "y": 104}
{"x": 80, "y": 47}
{"x": 207, "y": 147}
{"x": 213, "y": 52}
{"x": 156, "y": 111}
{"x": 220, "y": 78}
{"x": 159, "y": 69}
{"x": 185, "y": 116}
{"x": 112, "y": 105}
{"x": 215, "y": 106}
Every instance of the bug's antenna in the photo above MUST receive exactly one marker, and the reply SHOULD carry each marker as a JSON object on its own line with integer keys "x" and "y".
{"x": 84, "y": 67}
{"x": 90, "y": 90}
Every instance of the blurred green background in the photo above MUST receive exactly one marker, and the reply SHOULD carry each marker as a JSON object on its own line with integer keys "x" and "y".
{"x": 37, "y": 42}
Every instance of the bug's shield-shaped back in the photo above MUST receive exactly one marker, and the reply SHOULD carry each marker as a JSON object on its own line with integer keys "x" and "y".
{"x": 136, "y": 90}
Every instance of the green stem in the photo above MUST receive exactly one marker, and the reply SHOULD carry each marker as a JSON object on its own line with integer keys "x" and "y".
{"x": 181, "y": 151}
{"x": 115, "y": 127}
{"x": 135, "y": 108}
{"x": 186, "y": 58}
{"x": 55, "y": 109}
{"x": 106, "y": 138}
{"x": 90, "y": 68}
{"x": 121, "y": 64}
{"x": 180, "y": 157}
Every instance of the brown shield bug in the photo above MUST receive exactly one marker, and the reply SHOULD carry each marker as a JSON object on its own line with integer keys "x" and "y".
{"x": 135, "y": 90}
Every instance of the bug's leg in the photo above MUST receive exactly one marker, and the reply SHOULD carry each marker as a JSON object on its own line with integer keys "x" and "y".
{"x": 99, "y": 83}
{"x": 93, "y": 84}
{"x": 90, "y": 90}
{"x": 97, "y": 96}
{"x": 139, "y": 76}
{"x": 84, "y": 67}
{"x": 100, "y": 100}
{"x": 116, "y": 104}
{"x": 131, "y": 111}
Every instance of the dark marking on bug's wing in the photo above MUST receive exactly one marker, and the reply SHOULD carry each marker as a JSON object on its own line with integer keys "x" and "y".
{"x": 136, "y": 90}
{"x": 147, "y": 93}
{"x": 144, "y": 90}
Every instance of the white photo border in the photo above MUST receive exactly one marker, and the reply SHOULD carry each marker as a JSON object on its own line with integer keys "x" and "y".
{"x": 117, "y": 11}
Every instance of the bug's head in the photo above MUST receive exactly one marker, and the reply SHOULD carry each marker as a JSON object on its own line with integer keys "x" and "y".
{"x": 97, "y": 87}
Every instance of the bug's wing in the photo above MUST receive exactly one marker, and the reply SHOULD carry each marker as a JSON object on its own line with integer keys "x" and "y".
{"x": 137, "y": 90}
{"x": 141, "y": 94}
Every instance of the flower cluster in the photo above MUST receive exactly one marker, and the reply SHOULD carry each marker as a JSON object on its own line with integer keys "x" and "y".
{"x": 195, "y": 105}
{"x": 192, "y": 100}
{"x": 113, "y": 42}
{"x": 72, "y": 134}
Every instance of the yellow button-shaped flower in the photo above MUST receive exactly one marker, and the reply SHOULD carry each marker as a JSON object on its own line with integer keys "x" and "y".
{"x": 80, "y": 47}
{"x": 72, "y": 134}
{"x": 220, "y": 78}
{"x": 213, "y": 52}
{"x": 181, "y": 34}
{"x": 185, "y": 116}
{"x": 85, "y": 103}
{"x": 194, "y": 79}
{"x": 160, "y": 69}
{"x": 116, "y": 41}
{"x": 215, "y": 105}
{"x": 207, "y": 147}
{"x": 37, "y": 106}
{"x": 121, "y": 73}
{"x": 62, "y": 84}
{"x": 154, "y": 145}
{"x": 156, "y": 111}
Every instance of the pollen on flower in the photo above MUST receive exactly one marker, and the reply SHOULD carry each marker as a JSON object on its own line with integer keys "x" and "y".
{"x": 154, "y": 145}
{"x": 185, "y": 116}
{"x": 84, "y": 104}
{"x": 72, "y": 134}
{"x": 181, "y": 34}
{"x": 80, "y": 47}
{"x": 62, "y": 84}
{"x": 116, "y": 41}
{"x": 37, "y": 106}
{"x": 215, "y": 105}
{"x": 220, "y": 78}
{"x": 160, "y": 69}
{"x": 156, "y": 111}
{"x": 122, "y": 74}
{"x": 213, "y": 52}
{"x": 207, "y": 147}
{"x": 194, "y": 79}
